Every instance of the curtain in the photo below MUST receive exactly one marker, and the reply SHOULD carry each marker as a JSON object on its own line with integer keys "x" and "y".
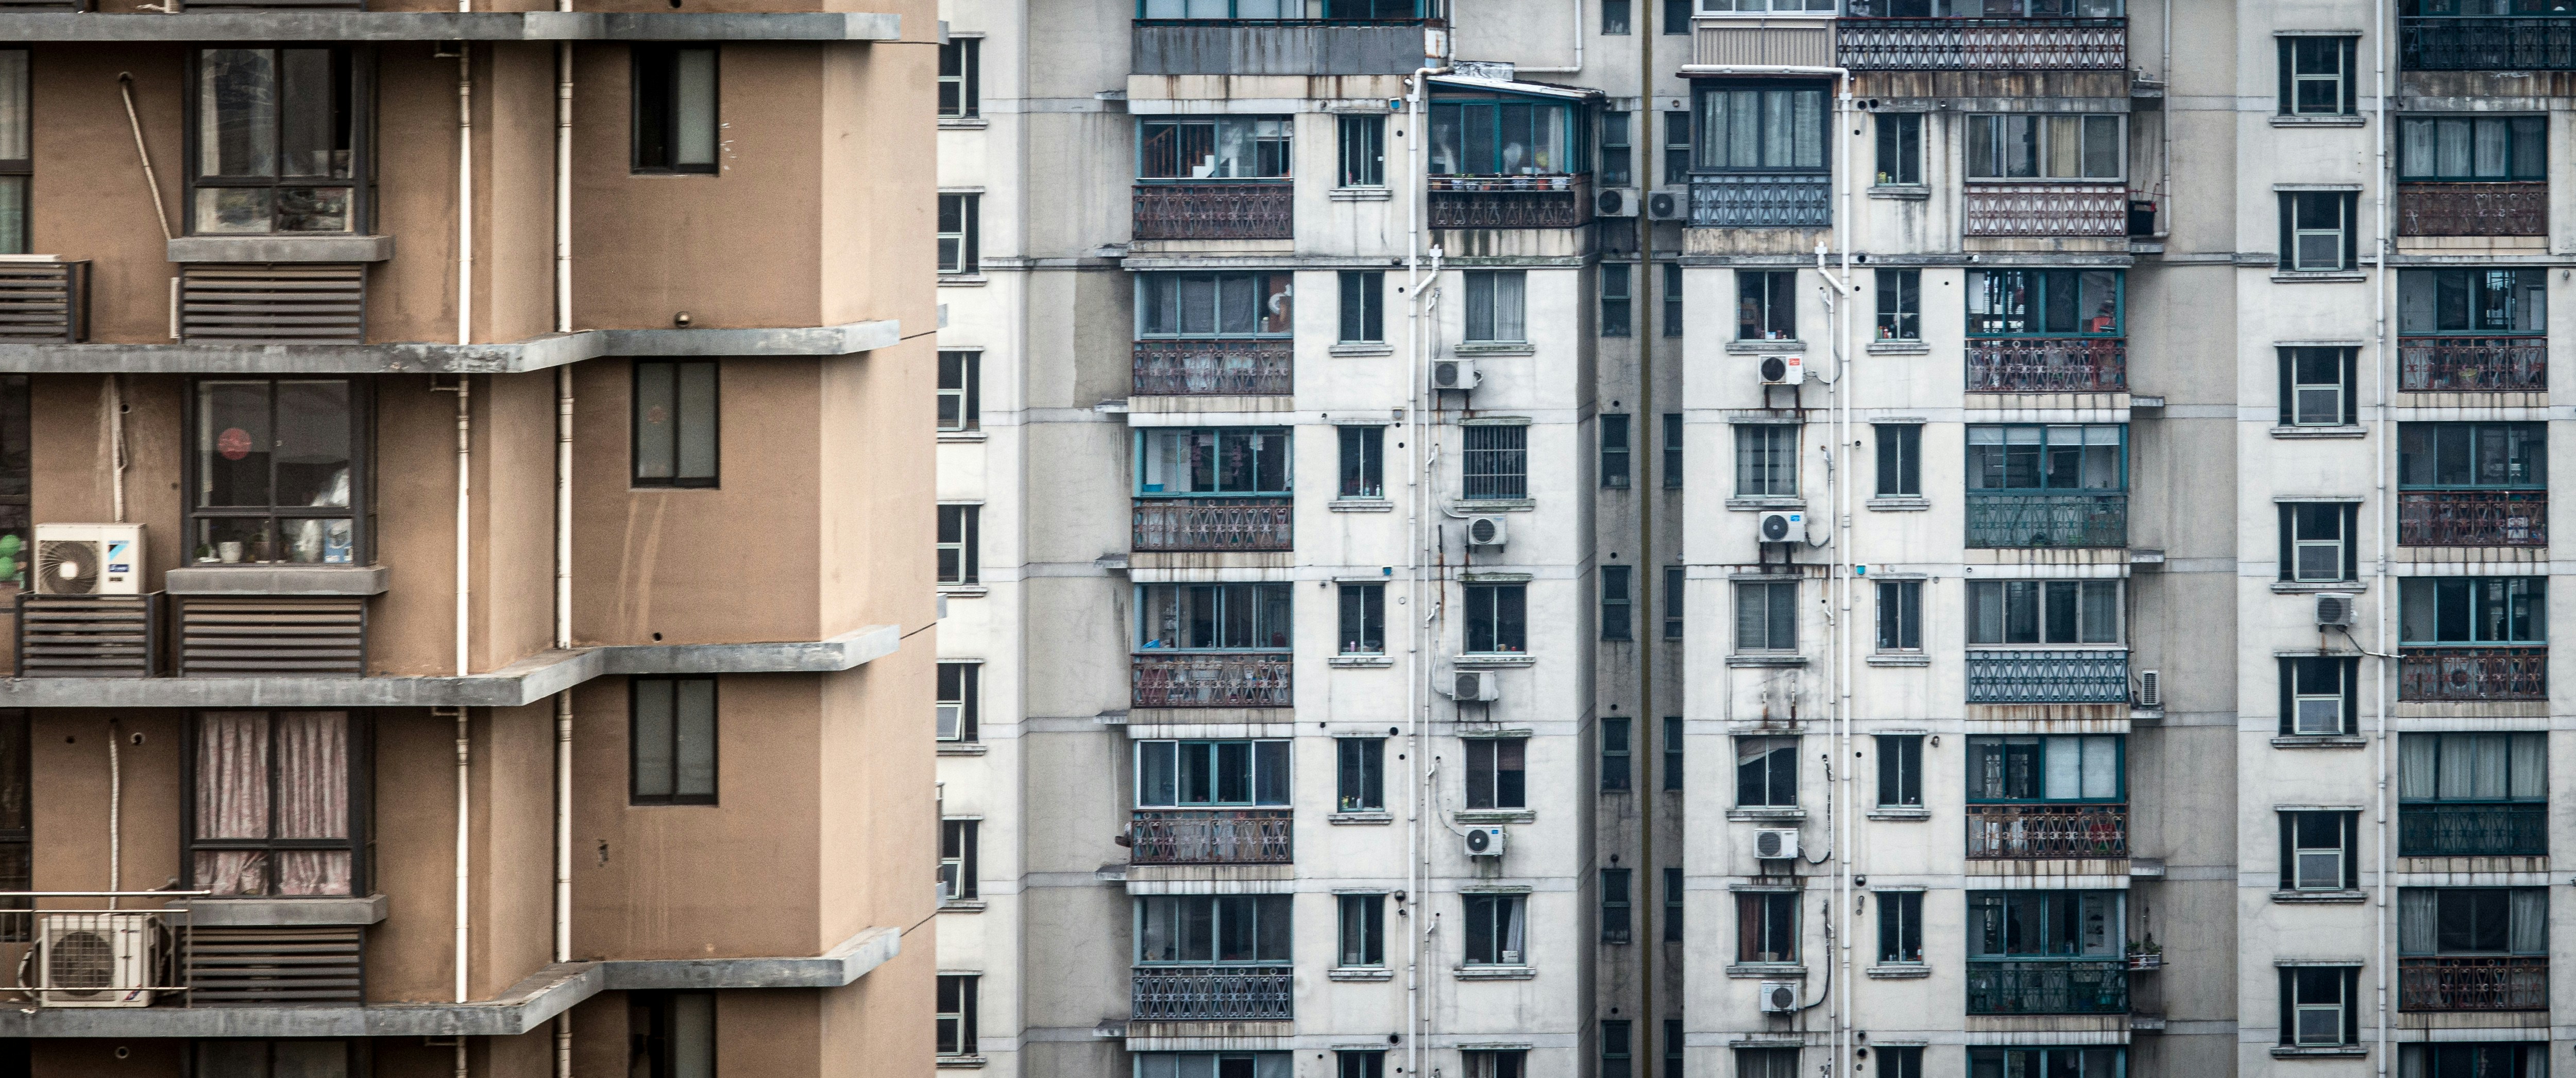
{"x": 2530, "y": 923}
{"x": 2530, "y": 767}
{"x": 2101, "y": 767}
{"x": 232, "y": 799}
{"x": 2416, "y": 754}
{"x": 2417, "y": 920}
{"x": 1510, "y": 323}
{"x": 2492, "y": 774}
{"x": 313, "y": 800}
{"x": 1513, "y": 949}
{"x": 2459, "y": 766}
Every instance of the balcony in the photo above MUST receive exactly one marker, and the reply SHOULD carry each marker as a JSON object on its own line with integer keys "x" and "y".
{"x": 2047, "y": 676}
{"x": 1211, "y": 837}
{"x": 2048, "y": 365}
{"x": 283, "y": 303}
{"x": 1280, "y": 46}
{"x": 1556, "y": 201}
{"x": 1235, "y": 367}
{"x": 1238, "y": 210}
{"x": 1214, "y": 525}
{"x": 1210, "y": 679}
{"x": 2047, "y": 832}
{"x": 2047, "y": 210}
{"x": 2473, "y": 518}
{"x": 2472, "y": 364}
{"x": 1999, "y": 521}
{"x": 2048, "y": 987}
{"x": 2473, "y": 209}
{"x": 43, "y": 301}
{"x": 2433, "y": 829}
{"x": 2473, "y": 983}
{"x": 1213, "y": 994}
{"x": 2486, "y": 44}
{"x": 121, "y": 636}
{"x": 1794, "y": 42}
{"x": 1947, "y": 44}
{"x": 2471, "y": 675}
{"x": 1756, "y": 200}
{"x": 186, "y": 966}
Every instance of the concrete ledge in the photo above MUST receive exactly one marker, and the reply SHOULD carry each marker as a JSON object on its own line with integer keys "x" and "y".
{"x": 443, "y": 26}
{"x": 283, "y": 912}
{"x": 278, "y": 580}
{"x": 534, "y": 354}
{"x": 276, "y": 248}
{"x": 839, "y": 966}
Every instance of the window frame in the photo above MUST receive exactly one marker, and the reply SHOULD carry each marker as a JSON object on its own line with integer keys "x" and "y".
{"x": 966, "y": 236}
{"x": 967, "y": 519}
{"x": 1766, "y": 771}
{"x": 1766, "y": 305}
{"x": 1900, "y": 770}
{"x": 1362, "y": 462}
{"x": 360, "y": 126}
{"x": 1265, "y": 150}
{"x": 1673, "y": 749}
{"x": 1704, "y": 90}
{"x": 638, "y": 55}
{"x": 1359, "y": 774}
{"x": 1498, "y": 470}
{"x": 1504, "y": 916}
{"x": 1366, "y": 949}
{"x": 1618, "y": 906}
{"x": 2298, "y": 210}
{"x": 1999, "y": 468}
{"x": 2296, "y": 679}
{"x": 1363, "y": 306}
{"x": 1488, "y": 289}
{"x": 959, "y": 858}
{"x": 1766, "y": 460}
{"x": 1361, "y": 621}
{"x": 1221, "y": 445}
{"x": 360, "y": 512}
{"x": 2039, "y": 1061}
{"x": 358, "y": 843}
{"x": 968, "y": 393}
{"x": 1900, "y": 928}
{"x": 1259, "y": 757}
{"x": 969, "y": 676}
{"x": 1774, "y": 619}
{"x": 634, "y": 739}
{"x": 1676, "y": 586}
{"x": 1616, "y": 27}
{"x": 2302, "y": 526}
{"x": 1898, "y": 138}
{"x": 1675, "y": 894}
{"x": 1491, "y": 785}
{"x": 2042, "y": 594}
{"x": 1764, "y": 919}
{"x": 2036, "y": 288}
{"x": 2297, "y": 366}
{"x": 1997, "y": 132}
{"x": 2302, "y": 995}
{"x": 1900, "y": 304}
{"x": 1498, "y": 618}
{"x": 1359, "y": 1063}
{"x": 1899, "y": 454}
{"x": 680, "y": 371}
{"x": 1222, "y": 593}
{"x": 17, "y": 173}
{"x": 1617, "y": 283}
{"x": 2296, "y": 73}
{"x": 1618, "y": 754}
{"x": 1359, "y": 143}
{"x": 2480, "y": 291}
{"x": 1900, "y": 617}
{"x": 2530, "y": 439}
{"x": 2296, "y": 848}
{"x": 2516, "y": 128}
{"x": 1674, "y": 434}
{"x": 2406, "y": 898}
{"x": 968, "y": 78}
{"x": 1156, "y": 286}
{"x": 1672, "y": 300}
{"x": 1991, "y": 912}
{"x": 2044, "y": 745}
{"x": 1618, "y": 1048}
{"x": 655, "y": 1042}
{"x": 1679, "y": 156}
{"x": 1618, "y": 604}
{"x": 954, "y": 1030}
{"x": 1220, "y": 908}
{"x": 1618, "y": 139}
{"x": 1614, "y": 432}
{"x": 1452, "y": 112}
{"x": 2529, "y": 593}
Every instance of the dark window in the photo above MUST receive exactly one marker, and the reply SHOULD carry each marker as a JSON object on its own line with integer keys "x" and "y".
{"x": 1363, "y": 155}
{"x": 961, "y": 82}
{"x": 1217, "y": 148}
{"x": 1363, "y": 621}
{"x": 1223, "y": 461}
{"x": 2319, "y": 696}
{"x": 2317, "y": 231}
{"x": 1496, "y": 1064}
{"x": 2059, "y": 1062}
{"x": 1766, "y": 617}
{"x": 1672, "y": 451}
{"x": 2472, "y": 456}
{"x": 2318, "y": 388}
{"x": 1497, "y": 618}
{"x": 1618, "y": 153}
{"x": 280, "y": 805}
{"x": 961, "y": 390}
{"x": 1766, "y": 460}
{"x": 1616, "y": 1049}
{"x": 1363, "y": 930}
{"x": 2320, "y": 1006}
{"x": 1209, "y": 1064}
{"x": 2035, "y": 459}
{"x": 1900, "y": 304}
{"x": 1900, "y": 150}
{"x": 2320, "y": 542}
{"x": 249, "y": 1059}
{"x": 2486, "y": 302}
{"x": 1766, "y": 926}
{"x": 2317, "y": 76}
{"x": 671, "y": 1034}
{"x": 1614, "y": 451}
{"x": 2065, "y": 767}
{"x": 1900, "y": 926}
{"x": 1618, "y": 606}
{"x": 2472, "y": 920}
{"x": 1674, "y": 579}
{"x": 676, "y": 423}
{"x": 1615, "y": 755}
{"x": 280, "y": 471}
{"x": 2045, "y": 303}
{"x": 1766, "y": 772}
{"x": 2473, "y": 148}
{"x": 1494, "y": 927}
{"x": 1213, "y": 617}
{"x": 1363, "y": 463}
{"x": 1363, "y": 306}
{"x": 1762, "y": 126}
{"x": 1615, "y": 906}
{"x": 1187, "y": 774}
{"x": 1359, "y": 774}
{"x": 1672, "y": 298}
{"x": 1900, "y": 771}
{"x": 958, "y": 556}
{"x": 1677, "y": 145}
{"x": 956, "y": 1014}
{"x": 1497, "y": 772}
{"x": 2043, "y": 611}
{"x": 958, "y": 684}
{"x": 1614, "y": 23}
{"x": 1677, "y": 16}
{"x": 1496, "y": 463}
{"x": 2320, "y": 851}
{"x": 1508, "y": 135}
{"x": 1766, "y": 305}
{"x": 1618, "y": 299}
{"x": 1673, "y": 1052}
{"x": 1900, "y": 459}
{"x": 671, "y": 740}
{"x": 1672, "y": 905}
{"x": 1350, "y": 1064}
{"x": 277, "y": 142}
{"x": 1219, "y": 929}
{"x": 1908, "y": 1063}
{"x": 17, "y": 163}
{"x": 2490, "y": 1060}
{"x": 1202, "y": 305}
{"x": 2046, "y": 924}
{"x": 1766, "y": 1063}
{"x": 2023, "y": 145}
{"x": 675, "y": 109}
{"x": 1900, "y": 615}
{"x": 1497, "y": 306}
{"x": 2472, "y": 610}
{"x": 1672, "y": 752}
{"x": 957, "y": 868}
{"x": 958, "y": 238}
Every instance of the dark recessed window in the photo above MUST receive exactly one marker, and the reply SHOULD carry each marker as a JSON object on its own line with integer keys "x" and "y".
{"x": 279, "y": 471}
{"x": 961, "y": 78}
{"x": 675, "y": 109}
{"x": 671, "y": 1034}
{"x": 275, "y": 137}
{"x": 675, "y": 423}
{"x": 671, "y": 740}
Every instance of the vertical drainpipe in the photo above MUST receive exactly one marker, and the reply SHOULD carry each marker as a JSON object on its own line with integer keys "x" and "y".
{"x": 2385, "y": 365}
{"x": 1641, "y": 163}
{"x": 563, "y": 532}
{"x": 1416, "y": 706}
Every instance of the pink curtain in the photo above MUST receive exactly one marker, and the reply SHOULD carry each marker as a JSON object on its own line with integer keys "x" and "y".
{"x": 313, "y": 800}
{"x": 311, "y": 794}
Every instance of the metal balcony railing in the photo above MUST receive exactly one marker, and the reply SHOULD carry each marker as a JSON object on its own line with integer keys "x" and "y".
{"x": 1231, "y": 367}
{"x": 1237, "y": 210}
{"x": 1213, "y": 994}
{"x": 2472, "y": 674}
{"x": 1551, "y": 201}
{"x": 2048, "y": 987}
{"x": 140, "y": 949}
{"x": 1210, "y": 679}
{"x": 2473, "y": 983}
{"x": 1762, "y": 200}
{"x": 2473, "y": 209}
{"x": 43, "y": 301}
{"x": 2486, "y": 44}
{"x": 2047, "y": 676}
{"x": 2047, "y": 832}
{"x": 2472, "y": 364}
{"x": 1954, "y": 44}
{"x": 1216, "y": 525}
{"x": 1252, "y": 836}
{"x": 2473, "y": 518}
{"x": 2047, "y": 209}
{"x": 1997, "y": 521}
{"x": 2435, "y": 829}
{"x": 2048, "y": 364}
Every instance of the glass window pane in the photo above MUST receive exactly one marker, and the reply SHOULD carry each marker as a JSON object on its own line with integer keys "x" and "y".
{"x": 694, "y": 738}
{"x": 234, "y": 443}
{"x": 237, "y": 112}
{"x": 697, "y": 434}
{"x": 653, "y": 737}
{"x": 656, "y": 419}
{"x": 696, "y": 137}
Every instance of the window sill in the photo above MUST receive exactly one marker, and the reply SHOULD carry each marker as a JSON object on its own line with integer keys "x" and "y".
{"x": 1766, "y": 503}
{"x": 1899, "y": 348}
{"x": 1900, "y": 814}
{"x": 1492, "y": 348}
{"x": 963, "y": 123}
{"x": 1766, "y": 971}
{"x": 1370, "y": 818}
{"x": 1361, "y": 194}
{"x": 961, "y": 1062}
{"x": 961, "y": 748}
{"x": 1906, "y": 192}
{"x": 1361, "y": 348}
{"x": 286, "y": 912}
{"x": 2312, "y": 587}
{"x": 2318, "y": 741}
{"x": 1361, "y": 505}
{"x": 2321, "y": 897}
{"x": 1494, "y": 505}
{"x": 1766, "y": 814}
{"x": 1361, "y": 661}
{"x": 1493, "y": 662}
{"x": 1494, "y": 973}
{"x": 1897, "y": 505}
{"x": 1359, "y": 975}
{"x": 961, "y": 435}
{"x": 281, "y": 248}
{"x": 2320, "y": 121}
{"x": 2321, "y": 432}
{"x": 1763, "y": 347}
{"x": 1903, "y": 972}
{"x": 1495, "y": 816}
{"x": 1766, "y": 660}
{"x": 962, "y": 905}
{"x": 962, "y": 591}
{"x": 2318, "y": 276}
{"x": 1898, "y": 660}
{"x": 277, "y": 580}
{"x": 2338, "y": 1051}
{"x": 962, "y": 280}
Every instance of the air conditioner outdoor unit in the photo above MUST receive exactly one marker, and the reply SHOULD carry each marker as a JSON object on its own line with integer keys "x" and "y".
{"x": 2334, "y": 611}
{"x": 2151, "y": 689}
{"x": 1615, "y": 202}
{"x": 1486, "y": 531}
{"x": 1487, "y": 841}
{"x": 1781, "y": 527}
{"x": 1784, "y": 370}
{"x": 89, "y": 559}
{"x": 1477, "y": 685}
{"x": 1458, "y": 374}
{"x": 96, "y": 959}
{"x": 1779, "y": 997}
{"x": 1667, "y": 206}
{"x": 1775, "y": 844}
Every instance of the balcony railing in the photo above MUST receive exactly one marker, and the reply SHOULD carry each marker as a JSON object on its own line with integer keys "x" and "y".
{"x": 2047, "y": 832}
{"x": 1240, "y": 210}
{"x": 2047, "y": 209}
{"x": 2044, "y": 987}
{"x": 2473, "y": 518}
{"x": 43, "y": 301}
{"x": 2434, "y": 829}
{"x": 1210, "y": 679}
{"x": 1556, "y": 201}
{"x": 1946, "y": 44}
{"x": 2047, "y": 676}
{"x": 2473, "y": 209}
{"x": 1216, "y": 525}
{"x": 2472, "y": 364}
{"x": 2487, "y": 44}
{"x": 2467, "y": 983}
{"x": 2047, "y": 520}
{"x": 1752, "y": 200}
{"x": 1236, "y": 367}
{"x": 1213, "y": 994}
{"x": 2472, "y": 674}
{"x": 1211, "y": 837}
{"x": 2048, "y": 364}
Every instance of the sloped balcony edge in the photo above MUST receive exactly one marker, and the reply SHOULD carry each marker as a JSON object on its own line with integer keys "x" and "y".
{"x": 516, "y": 357}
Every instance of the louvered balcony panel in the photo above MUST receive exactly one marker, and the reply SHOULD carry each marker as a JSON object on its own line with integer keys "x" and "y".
{"x": 284, "y": 303}
{"x": 1952, "y": 44}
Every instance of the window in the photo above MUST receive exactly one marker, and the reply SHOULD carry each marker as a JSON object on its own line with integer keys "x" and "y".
{"x": 2037, "y": 302}
{"x": 1363, "y": 156}
{"x": 1900, "y": 770}
{"x": 676, "y": 419}
{"x": 17, "y": 831}
{"x": 1766, "y": 305}
{"x": 1495, "y": 305}
{"x": 1672, "y": 905}
{"x": 2055, "y": 767}
{"x": 671, "y": 736}
{"x": 1615, "y": 906}
{"x": 1246, "y": 10}
{"x": 2046, "y": 924}
{"x": 671, "y": 1034}
{"x": 2473, "y": 148}
{"x": 1200, "y": 305}
{"x": 1232, "y": 930}
{"x": 267, "y": 1059}
{"x": 957, "y": 870}
{"x": 1363, "y": 930}
{"x": 1212, "y": 1064}
{"x": 1616, "y": 1050}
{"x": 961, "y": 80}
{"x": 2472, "y": 456}
{"x": 957, "y": 234}
{"x": 1903, "y": 1063}
{"x": 2472, "y": 610}
{"x": 1672, "y": 451}
{"x": 2486, "y": 302}
{"x": 959, "y": 557}
{"x": 17, "y": 162}
{"x": 1672, "y": 298}
{"x": 1766, "y": 926}
{"x": 1494, "y": 932}
{"x": 279, "y": 471}
{"x": 1497, "y": 618}
{"x": 2318, "y": 388}
{"x": 2483, "y": 1060}
{"x": 1766, "y": 460}
{"x": 276, "y": 134}
{"x": 1363, "y": 621}
{"x": 2031, "y": 146}
{"x": 1497, "y": 772}
{"x": 1359, "y": 774}
{"x": 2043, "y": 612}
{"x": 1900, "y": 615}
{"x": 1677, "y": 20}
{"x": 2320, "y": 851}
{"x": 1900, "y": 458}
{"x": 1677, "y": 145}
{"x": 1496, "y": 462}
{"x": 1675, "y": 577}
{"x": 280, "y": 806}
{"x": 961, "y": 390}
{"x": 1900, "y": 156}
{"x": 1618, "y": 302}
{"x": 1762, "y": 126}
{"x": 2319, "y": 696}
{"x": 1618, "y": 155}
{"x": 1900, "y": 304}
{"x": 1350, "y": 1064}
{"x": 1614, "y": 451}
{"x": 675, "y": 109}
{"x": 1188, "y": 774}
{"x": 2055, "y": 1062}
{"x": 1766, "y": 772}
{"x": 2317, "y": 76}
{"x": 2472, "y": 920}
{"x": 1900, "y": 926}
{"x": 1222, "y": 461}
{"x": 956, "y": 1014}
{"x": 1363, "y": 306}
{"x": 1672, "y": 752}
{"x": 957, "y": 700}
{"x": 2482, "y": 794}
{"x": 2035, "y": 459}
{"x": 1763, "y": 1062}
{"x": 1766, "y": 616}
{"x": 2317, "y": 231}
{"x": 2319, "y": 542}
{"x": 1217, "y": 148}
{"x": 1495, "y": 1064}
{"x": 1614, "y": 754}
{"x": 1507, "y": 135}
{"x": 1618, "y": 619}
{"x": 1363, "y": 462}
{"x": 1614, "y": 22}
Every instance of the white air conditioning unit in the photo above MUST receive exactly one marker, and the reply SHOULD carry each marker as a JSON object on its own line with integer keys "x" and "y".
{"x": 88, "y": 559}
{"x": 1487, "y": 842}
{"x": 1775, "y": 844}
{"x": 1784, "y": 370}
{"x": 1779, "y": 997}
{"x": 1454, "y": 373}
{"x": 1781, "y": 527}
{"x": 1667, "y": 206}
{"x": 1486, "y": 531}
{"x": 2151, "y": 689}
{"x": 96, "y": 959}
{"x": 1474, "y": 685}
{"x": 1615, "y": 202}
{"x": 2334, "y": 611}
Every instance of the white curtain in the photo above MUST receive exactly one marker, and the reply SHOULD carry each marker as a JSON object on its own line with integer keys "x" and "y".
{"x": 2415, "y": 766}
{"x": 2065, "y": 763}
{"x": 1512, "y": 919}
{"x": 2530, "y": 754}
{"x": 1510, "y": 310}
{"x": 2418, "y": 920}
{"x": 2101, "y": 767}
{"x": 2530, "y": 924}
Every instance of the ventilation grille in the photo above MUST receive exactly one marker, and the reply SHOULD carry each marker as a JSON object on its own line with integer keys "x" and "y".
{"x": 43, "y": 301}
{"x": 86, "y": 635}
{"x": 274, "y": 304}
{"x": 221, "y": 636}
{"x": 274, "y": 965}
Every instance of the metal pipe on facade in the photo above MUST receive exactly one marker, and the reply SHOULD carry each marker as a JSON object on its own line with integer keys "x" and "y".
{"x": 1416, "y": 704}
{"x": 2386, "y": 366}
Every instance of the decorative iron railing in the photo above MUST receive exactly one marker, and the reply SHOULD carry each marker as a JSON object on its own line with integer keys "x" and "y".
{"x": 1762, "y": 200}
{"x": 1553, "y": 201}
{"x": 2048, "y": 364}
{"x": 2472, "y": 364}
{"x": 2486, "y": 44}
{"x": 1210, "y": 679}
{"x": 2473, "y": 209}
{"x": 2047, "y": 209}
{"x": 1240, "y": 367}
{"x": 2472, "y": 674}
{"x": 1240, "y": 210}
{"x": 2473, "y": 518}
{"x": 2437, "y": 829}
{"x": 1225, "y": 525}
{"x": 2047, "y": 676}
{"x": 1213, "y": 994}
{"x": 1948, "y": 44}
{"x": 1998, "y": 521}
{"x": 2047, "y": 832}
{"x": 2046, "y": 987}
{"x": 2473, "y": 983}
{"x": 1210, "y": 837}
